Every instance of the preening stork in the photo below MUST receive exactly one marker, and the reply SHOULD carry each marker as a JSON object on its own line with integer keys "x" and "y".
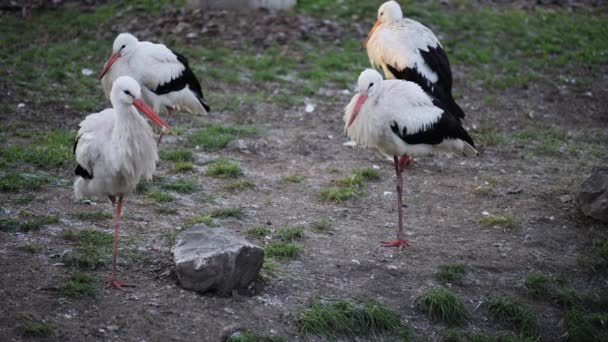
{"x": 115, "y": 149}
{"x": 407, "y": 50}
{"x": 166, "y": 80}
{"x": 398, "y": 118}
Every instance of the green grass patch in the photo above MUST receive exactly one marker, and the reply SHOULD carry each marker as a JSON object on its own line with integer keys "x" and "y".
{"x": 322, "y": 226}
{"x": 451, "y": 273}
{"x": 271, "y": 269}
{"x": 283, "y": 251}
{"x": 293, "y": 179}
{"x": 181, "y": 185}
{"x": 30, "y": 248}
{"x": 514, "y": 315}
{"x": 11, "y": 225}
{"x": 216, "y": 136}
{"x": 444, "y": 306}
{"x": 93, "y": 215}
{"x": 337, "y": 194}
{"x": 222, "y": 213}
{"x": 252, "y": 337}
{"x": 48, "y": 150}
{"x": 583, "y": 326}
{"x": 182, "y": 167}
{"x": 36, "y": 329}
{"x": 537, "y": 285}
{"x": 241, "y": 184}
{"x": 259, "y": 231}
{"x": 347, "y": 318}
{"x": 177, "y": 155}
{"x": 223, "y": 168}
{"x": 205, "y": 219}
{"x": 14, "y": 182}
{"x": 160, "y": 196}
{"x": 94, "y": 249}
{"x": 289, "y": 233}
{"x": 498, "y": 220}
{"x": 79, "y": 285}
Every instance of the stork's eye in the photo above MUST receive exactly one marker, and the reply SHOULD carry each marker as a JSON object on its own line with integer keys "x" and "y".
{"x": 381, "y": 13}
{"x": 370, "y": 85}
{"x": 128, "y": 93}
{"x": 123, "y": 46}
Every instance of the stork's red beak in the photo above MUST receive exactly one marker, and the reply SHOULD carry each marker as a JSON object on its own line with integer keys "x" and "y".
{"x": 109, "y": 63}
{"x": 144, "y": 108}
{"x": 371, "y": 32}
{"x": 360, "y": 101}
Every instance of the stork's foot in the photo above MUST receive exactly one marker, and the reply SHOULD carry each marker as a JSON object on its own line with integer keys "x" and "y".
{"x": 115, "y": 283}
{"x": 396, "y": 243}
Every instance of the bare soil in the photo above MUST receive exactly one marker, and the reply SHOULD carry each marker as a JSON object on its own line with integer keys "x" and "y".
{"x": 442, "y": 216}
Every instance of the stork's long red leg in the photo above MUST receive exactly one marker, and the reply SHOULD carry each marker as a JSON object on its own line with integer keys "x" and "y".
{"x": 112, "y": 281}
{"x": 400, "y": 242}
{"x": 160, "y": 136}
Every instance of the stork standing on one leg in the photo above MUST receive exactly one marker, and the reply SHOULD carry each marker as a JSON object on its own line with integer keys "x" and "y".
{"x": 399, "y": 119}
{"x": 115, "y": 149}
{"x": 407, "y": 50}
{"x": 167, "y": 82}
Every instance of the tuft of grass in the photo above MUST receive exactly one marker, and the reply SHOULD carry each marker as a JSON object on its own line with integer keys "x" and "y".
{"x": 251, "y": 337}
{"x": 216, "y": 136}
{"x": 237, "y": 213}
{"x": 293, "y": 179}
{"x": 282, "y": 250}
{"x": 347, "y": 318}
{"x": 182, "y": 185}
{"x": 443, "y": 305}
{"x": 11, "y": 225}
{"x": 537, "y": 285}
{"x": 48, "y": 150}
{"x": 79, "y": 285}
{"x": 338, "y": 194}
{"x": 30, "y": 248}
{"x": 271, "y": 269}
{"x": 206, "y": 219}
{"x": 240, "y": 184}
{"x": 322, "y": 225}
{"x": 93, "y": 215}
{"x": 451, "y": 273}
{"x": 161, "y": 196}
{"x": 36, "y": 329}
{"x": 498, "y": 220}
{"x": 177, "y": 155}
{"x": 289, "y": 233}
{"x": 566, "y": 298}
{"x": 93, "y": 250}
{"x": 182, "y": 167}
{"x": 513, "y": 314}
{"x": 367, "y": 174}
{"x": 223, "y": 168}
{"x": 586, "y": 326}
{"x": 14, "y": 182}
{"x": 600, "y": 252}
{"x": 258, "y": 231}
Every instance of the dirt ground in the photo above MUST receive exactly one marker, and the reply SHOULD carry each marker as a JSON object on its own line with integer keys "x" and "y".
{"x": 445, "y": 198}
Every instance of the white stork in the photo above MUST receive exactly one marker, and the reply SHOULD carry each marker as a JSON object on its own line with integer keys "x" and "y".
{"x": 407, "y": 50}
{"x": 115, "y": 149}
{"x": 398, "y": 118}
{"x": 166, "y": 80}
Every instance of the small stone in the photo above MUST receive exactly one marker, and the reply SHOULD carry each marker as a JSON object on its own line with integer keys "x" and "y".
{"x": 565, "y": 198}
{"x": 592, "y": 198}
{"x": 514, "y": 190}
{"x": 87, "y": 72}
{"x": 21, "y": 105}
{"x": 485, "y": 213}
{"x": 310, "y": 108}
{"x": 350, "y": 143}
{"x": 215, "y": 259}
{"x": 387, "y": 193}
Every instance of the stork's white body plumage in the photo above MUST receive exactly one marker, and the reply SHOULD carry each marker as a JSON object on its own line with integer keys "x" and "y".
{"x": 405, "y": 49}
{"x": 115, "y": 150}
{"x": 398, "y": 118}
{"x": 165, "y": 77}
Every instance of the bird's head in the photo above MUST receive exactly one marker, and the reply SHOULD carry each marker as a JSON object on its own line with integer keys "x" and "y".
{"x": 124, "y": 45}
{"x": 127, "y": 92}
{"x": 369, "y": 85}
{"x": 389, "y": 12}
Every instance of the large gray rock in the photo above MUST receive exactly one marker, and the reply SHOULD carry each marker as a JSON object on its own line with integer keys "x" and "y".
{"x": 592, "y": 199}
{"x": 242, "y": 4}
{"x": 215, "y": 259}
